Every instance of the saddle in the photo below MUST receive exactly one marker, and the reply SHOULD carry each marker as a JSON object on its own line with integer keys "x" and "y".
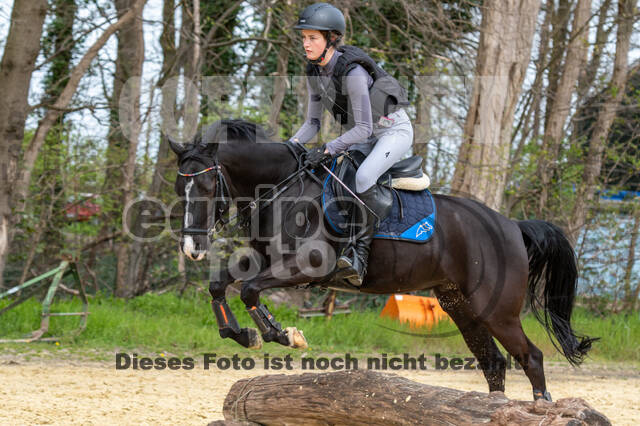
{"x": 413, "y": 212}
{"x": 406, "y": 174}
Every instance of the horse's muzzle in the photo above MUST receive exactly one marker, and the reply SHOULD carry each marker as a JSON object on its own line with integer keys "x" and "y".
{"x": 192, "y": 249}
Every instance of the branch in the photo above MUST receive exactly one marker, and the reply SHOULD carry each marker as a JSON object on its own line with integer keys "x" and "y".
{"x": 240, "y": 40}
{"x": 101, "y": 240}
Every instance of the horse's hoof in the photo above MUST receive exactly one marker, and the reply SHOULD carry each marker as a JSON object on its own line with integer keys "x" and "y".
{"x": 296, "y": 338}
{"x": 545, "y": 396}
{"x": 255, "y": 341}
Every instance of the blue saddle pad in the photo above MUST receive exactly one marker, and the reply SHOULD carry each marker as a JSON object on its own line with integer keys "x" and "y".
{"x": 416, "y": 225}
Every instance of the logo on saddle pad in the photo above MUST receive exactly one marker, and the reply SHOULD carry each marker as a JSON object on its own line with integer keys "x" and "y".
{"x": 425, "y": 228}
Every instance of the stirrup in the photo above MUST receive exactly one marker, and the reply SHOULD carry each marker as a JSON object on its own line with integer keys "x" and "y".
{"x": 348, "y": 255}
{"x": 346, "y": 266}
{"x": 349, "y": 268}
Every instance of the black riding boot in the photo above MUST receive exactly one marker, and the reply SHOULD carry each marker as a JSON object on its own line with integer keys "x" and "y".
{"x": 364, "y": 224}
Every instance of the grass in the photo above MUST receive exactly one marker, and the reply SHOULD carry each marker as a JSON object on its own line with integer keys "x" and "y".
{"x": 153, "y": 324}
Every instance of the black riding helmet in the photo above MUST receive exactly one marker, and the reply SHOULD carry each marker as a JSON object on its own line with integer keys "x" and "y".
{"x": 322, "y": 17}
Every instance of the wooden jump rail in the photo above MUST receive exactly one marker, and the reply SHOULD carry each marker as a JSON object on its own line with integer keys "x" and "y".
{"x": 363, "y": 397}
{"x": 65, "y": 268}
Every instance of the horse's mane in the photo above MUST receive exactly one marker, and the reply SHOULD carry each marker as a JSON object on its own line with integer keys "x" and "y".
{"x": 237, "y": 129}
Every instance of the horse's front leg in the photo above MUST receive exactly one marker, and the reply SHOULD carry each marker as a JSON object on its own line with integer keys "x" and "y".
{"x": 227, "y": 324}
{"x": 270, "y": 328}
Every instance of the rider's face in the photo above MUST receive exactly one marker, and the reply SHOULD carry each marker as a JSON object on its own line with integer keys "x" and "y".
{"x": 313, "y": 43}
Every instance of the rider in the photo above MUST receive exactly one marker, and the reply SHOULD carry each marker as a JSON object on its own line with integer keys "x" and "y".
{"x": 367, "y": 102}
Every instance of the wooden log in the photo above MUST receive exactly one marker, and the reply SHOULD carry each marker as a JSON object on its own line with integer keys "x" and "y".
{"x": 363, "y": 397}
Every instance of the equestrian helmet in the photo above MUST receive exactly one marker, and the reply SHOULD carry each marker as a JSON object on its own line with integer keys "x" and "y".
{"x": 323, "y": 17}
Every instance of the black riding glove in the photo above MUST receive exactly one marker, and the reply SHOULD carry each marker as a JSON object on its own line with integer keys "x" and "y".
{"x": 316, "y": 156}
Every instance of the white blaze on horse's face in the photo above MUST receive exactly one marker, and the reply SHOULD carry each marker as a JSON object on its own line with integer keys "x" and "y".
{"x": 188, "y": 217}
{"x": 188, "y": 246}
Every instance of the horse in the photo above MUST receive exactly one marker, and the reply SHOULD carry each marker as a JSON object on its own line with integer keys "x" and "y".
{"x": 480, "y": 264}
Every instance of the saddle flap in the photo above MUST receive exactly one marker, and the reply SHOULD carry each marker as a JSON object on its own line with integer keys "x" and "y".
{"x": 346, "y": 172}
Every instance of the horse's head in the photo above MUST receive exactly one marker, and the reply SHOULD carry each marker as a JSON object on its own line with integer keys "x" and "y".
{"x": 198, "y": 184}
{"x": 229, "y": 149}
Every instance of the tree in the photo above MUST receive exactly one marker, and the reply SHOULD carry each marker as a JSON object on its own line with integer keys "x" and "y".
{"x": 47, "y": 201}
{"x": 124, "y": 130}
{"x": 18, "y": 53}
{"x": 18, "y": 60}
{"x": 507, "y": 31}
{"x": 627, "y": 16}
{"x": 560, "y": 100}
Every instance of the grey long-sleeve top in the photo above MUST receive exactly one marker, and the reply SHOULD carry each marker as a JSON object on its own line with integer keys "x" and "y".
{"x": 358, "y": 82}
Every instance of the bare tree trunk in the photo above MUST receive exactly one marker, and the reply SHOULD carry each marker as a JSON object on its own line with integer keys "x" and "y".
{"x": 557, "y": 116}
{"x": 593, "y": 164}
{"x": 182, "y": 271}
{"x": 559, "y": 35}
{"x": 36, "y": 235}
{"x": 285, "y": 10}
{"x": 279, "y": 88}
{"x": 189, "y": 60}
{"x": 192, "y": 100}
{"x": 531, "y": 115}
{"x": 59, "y": 47}
{"x": 545, "y": 62}
{"x": 631, "y": 293}
{"x": 503, "y": 55}
{"x": 192, "y": 33}
{"x": 123, "y": 135}
{"x": 587, "y": 78}
{"x": 186, "y": 50}
{"x": 168, "y": 107}
{"x": 139, "y": 251}
{"x": 20, "y": 52}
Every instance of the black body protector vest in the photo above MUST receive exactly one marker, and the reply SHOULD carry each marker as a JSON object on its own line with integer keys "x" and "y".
{"x": 386, "y": 94}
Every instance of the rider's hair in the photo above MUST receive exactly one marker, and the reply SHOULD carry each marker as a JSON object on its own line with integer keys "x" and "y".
{"x": 332, "y": 35}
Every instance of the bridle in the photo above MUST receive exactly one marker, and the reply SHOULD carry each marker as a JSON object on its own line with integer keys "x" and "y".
{"x": 222, "y": 188}
{"x": 223, "y": 193}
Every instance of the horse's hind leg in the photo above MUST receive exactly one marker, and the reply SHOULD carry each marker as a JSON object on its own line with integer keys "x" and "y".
{"x": 509, "y": 333}
{"x": 501, "y": 316}
{"x": 476, "y": 336}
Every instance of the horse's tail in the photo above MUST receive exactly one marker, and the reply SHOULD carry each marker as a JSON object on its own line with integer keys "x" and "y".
{"x": 552, "y": 260}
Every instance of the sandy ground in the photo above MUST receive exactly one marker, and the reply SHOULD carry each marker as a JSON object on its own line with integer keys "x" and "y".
{"x": 53, "y": 391}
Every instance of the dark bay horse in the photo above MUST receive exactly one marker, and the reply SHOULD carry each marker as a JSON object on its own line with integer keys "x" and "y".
{"x": 480, "y": 264}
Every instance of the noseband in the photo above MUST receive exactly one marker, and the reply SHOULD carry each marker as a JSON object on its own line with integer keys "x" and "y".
{"x": 222, "y": 192}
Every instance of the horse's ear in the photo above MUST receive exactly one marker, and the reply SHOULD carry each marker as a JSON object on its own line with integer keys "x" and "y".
{"x": 178, "y": 147}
